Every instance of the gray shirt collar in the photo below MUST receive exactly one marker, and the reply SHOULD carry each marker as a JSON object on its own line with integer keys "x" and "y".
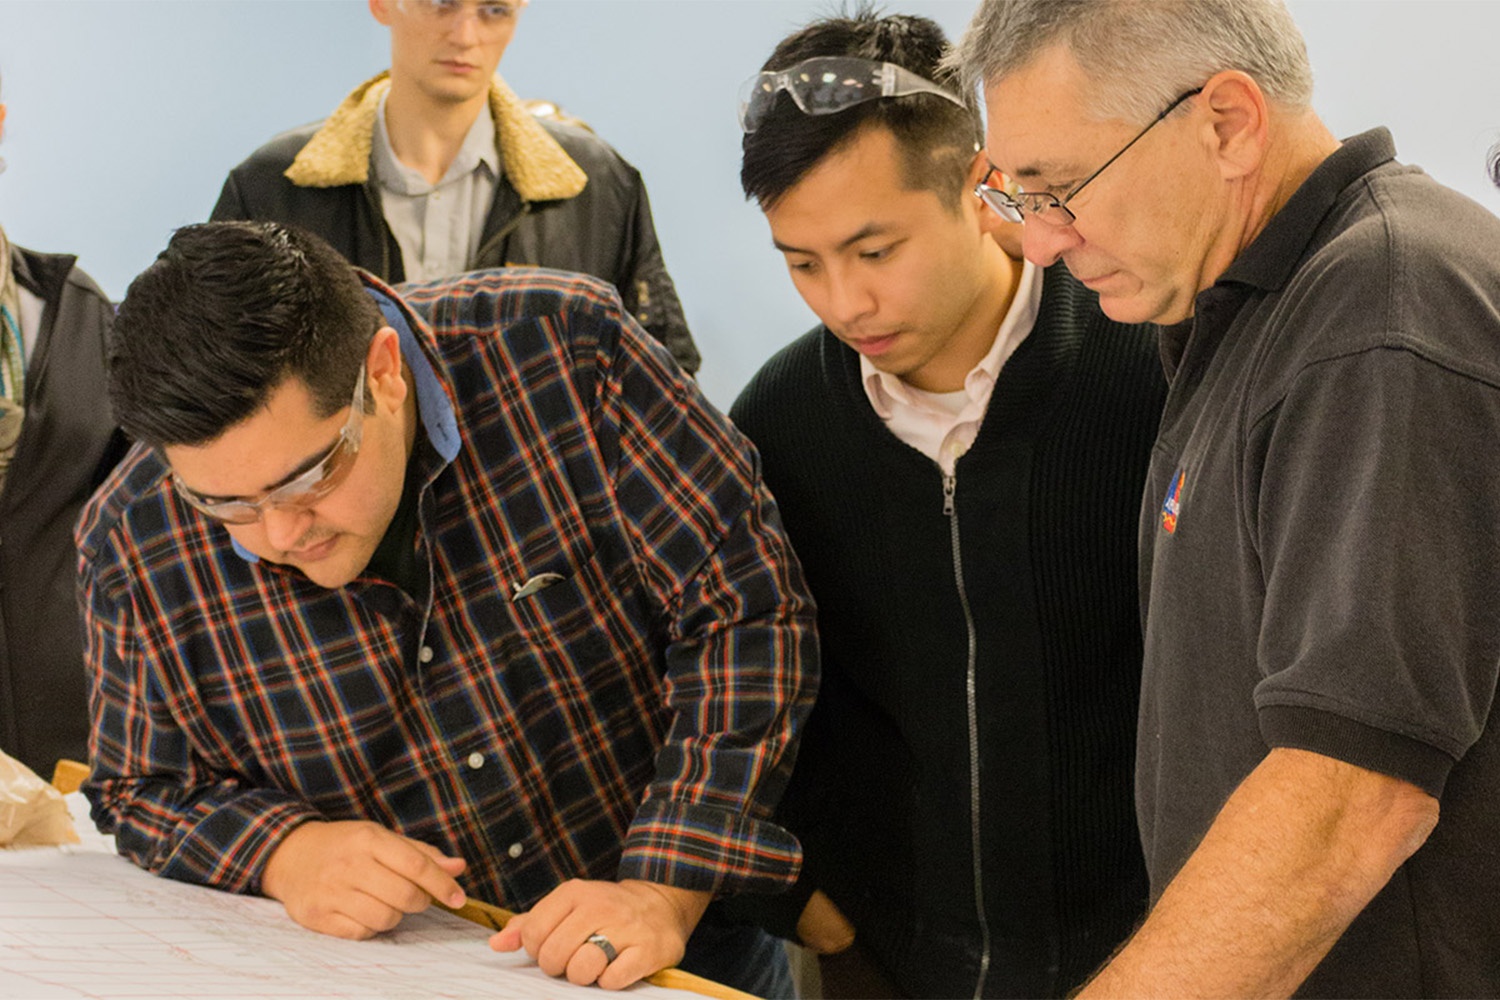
{"x": 393, "y": 175}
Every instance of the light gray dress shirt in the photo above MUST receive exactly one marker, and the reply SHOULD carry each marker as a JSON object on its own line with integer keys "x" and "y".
{"x": 437, "y": 226}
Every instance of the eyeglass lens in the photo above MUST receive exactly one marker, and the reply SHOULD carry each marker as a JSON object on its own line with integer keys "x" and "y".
{"x": 816, "y": 90}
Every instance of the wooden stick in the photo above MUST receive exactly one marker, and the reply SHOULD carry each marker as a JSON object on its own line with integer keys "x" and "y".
{"x": 496, "y": 917}
{"x": 68, "y": 775}
{"x": 484, "y": 914}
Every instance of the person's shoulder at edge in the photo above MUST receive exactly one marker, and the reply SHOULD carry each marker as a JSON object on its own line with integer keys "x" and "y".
{"x": 594, "y": 155}
{"x": 278, "y": 152}
{"x": 84, "y": 283}
{"x": 137, "y": 476}
{"x": 578, "y": 313}
{"x": 35, "y": 270}
{"x": 511, "y": 293}
{"x": 1402, "y": 251}
{"x": 31, "y": 261}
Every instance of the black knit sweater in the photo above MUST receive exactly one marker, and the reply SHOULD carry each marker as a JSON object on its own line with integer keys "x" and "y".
{"x": 1046, "y": 502}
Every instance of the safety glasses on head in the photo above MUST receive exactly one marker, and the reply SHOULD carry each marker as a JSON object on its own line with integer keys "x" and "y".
{"x": 825, "y": 85}
{"x": 303, "y": 491}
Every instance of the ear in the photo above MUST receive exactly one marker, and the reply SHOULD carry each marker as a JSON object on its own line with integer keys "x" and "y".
{"x": 381, "y": 11}
{"x": 1007, "y": 234}
{"x": 978, "y": 167}
{"x": 1240, "y": 121}
{"x": 383, "y": 366}
{"x": 2, "y": 120}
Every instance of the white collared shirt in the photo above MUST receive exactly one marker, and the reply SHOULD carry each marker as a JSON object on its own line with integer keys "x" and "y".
{"x": 438, "y": 226}
{"x": 943, "y": 425}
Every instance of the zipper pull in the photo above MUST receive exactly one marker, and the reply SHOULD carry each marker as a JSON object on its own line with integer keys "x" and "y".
{"x": 950, "y": 484}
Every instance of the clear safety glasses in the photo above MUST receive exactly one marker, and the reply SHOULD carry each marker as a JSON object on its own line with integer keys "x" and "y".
{"x": 303, "y": 491}
{"x": 825, "y": 85}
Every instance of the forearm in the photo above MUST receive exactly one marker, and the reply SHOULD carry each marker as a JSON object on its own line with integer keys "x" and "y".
{"x": 215, "y": 835}
{"x": 739, "y": 689}
{"x": 1296, "y": 853}
{"x": 738, "y": 696}
{"x": 739, "y": 665}
{"x": 169, "y": 812}
{"x": 172, "y": 811}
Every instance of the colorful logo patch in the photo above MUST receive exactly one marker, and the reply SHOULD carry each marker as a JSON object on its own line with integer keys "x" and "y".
{"x": 1170, "y": 509}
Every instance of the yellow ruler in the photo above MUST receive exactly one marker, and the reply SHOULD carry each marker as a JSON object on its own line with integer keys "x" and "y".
{"x": 495, "y": 918}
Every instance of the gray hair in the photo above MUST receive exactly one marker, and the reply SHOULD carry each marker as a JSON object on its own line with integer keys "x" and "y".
{"x": 1141, "y": 54}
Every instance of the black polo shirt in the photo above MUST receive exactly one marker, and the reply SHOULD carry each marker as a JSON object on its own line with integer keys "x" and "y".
{"x": 1320, "y": 548}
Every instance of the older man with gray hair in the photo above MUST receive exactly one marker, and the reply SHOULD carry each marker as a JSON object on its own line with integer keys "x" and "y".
{"x": 1320, "y": 539}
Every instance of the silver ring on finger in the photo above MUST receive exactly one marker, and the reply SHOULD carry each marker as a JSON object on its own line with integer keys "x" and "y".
{"x": 602, "y": 943}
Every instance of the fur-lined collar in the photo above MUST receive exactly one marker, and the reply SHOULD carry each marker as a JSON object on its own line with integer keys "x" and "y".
{"x": 339, "y": 152}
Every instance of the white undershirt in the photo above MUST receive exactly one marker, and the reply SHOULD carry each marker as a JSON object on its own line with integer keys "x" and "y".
{"x": 943, "y": 425}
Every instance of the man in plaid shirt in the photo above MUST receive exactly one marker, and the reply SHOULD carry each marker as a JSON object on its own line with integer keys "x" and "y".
{"x": 465, "y": 589}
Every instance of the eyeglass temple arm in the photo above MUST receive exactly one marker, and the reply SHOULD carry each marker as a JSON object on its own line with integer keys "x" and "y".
{"x": 1138, "y": 136}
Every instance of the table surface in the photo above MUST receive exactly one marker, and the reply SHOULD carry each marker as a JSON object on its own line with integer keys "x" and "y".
{"x": 80, "y": 921}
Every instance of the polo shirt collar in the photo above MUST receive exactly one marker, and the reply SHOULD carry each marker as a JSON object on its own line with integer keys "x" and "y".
{"x": 1271, "y": 258}
{"x": 433, "y": 404}
{"x": 1268, "y": 262}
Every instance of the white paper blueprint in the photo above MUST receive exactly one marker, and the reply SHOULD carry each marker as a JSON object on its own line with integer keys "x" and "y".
{"x": 92, "y": 925}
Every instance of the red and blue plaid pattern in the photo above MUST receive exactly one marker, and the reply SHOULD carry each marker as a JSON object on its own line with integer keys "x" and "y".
{"x": 632, "y": 720}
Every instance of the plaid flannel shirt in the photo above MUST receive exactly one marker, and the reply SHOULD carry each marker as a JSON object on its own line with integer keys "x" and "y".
{"x": 635, "y": 719}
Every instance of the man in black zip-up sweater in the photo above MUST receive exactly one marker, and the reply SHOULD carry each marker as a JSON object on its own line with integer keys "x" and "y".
{"x": 958, "y": 453}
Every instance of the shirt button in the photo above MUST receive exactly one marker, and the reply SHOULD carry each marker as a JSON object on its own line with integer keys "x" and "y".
{"x": 425, "y": 654}
{"x": 476, "y": 760}
{"x": 514, "y": 850}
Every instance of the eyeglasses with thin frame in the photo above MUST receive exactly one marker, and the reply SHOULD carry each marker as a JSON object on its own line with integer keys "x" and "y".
{"x": 303, "y": 491}
{"x": 825, "y": 85}
{"x": 1048, "y": 208}
{"x": 496, "y": 14}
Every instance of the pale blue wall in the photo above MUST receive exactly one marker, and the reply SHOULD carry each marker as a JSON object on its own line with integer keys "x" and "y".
{"x": 125, "y": 115}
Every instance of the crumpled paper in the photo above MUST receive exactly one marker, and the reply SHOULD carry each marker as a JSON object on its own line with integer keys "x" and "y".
{"x": 32, "y": 812}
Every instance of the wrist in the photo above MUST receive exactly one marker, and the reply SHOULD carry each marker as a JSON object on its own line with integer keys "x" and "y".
{"x": 277, "y": 871}
{"x": 686, "y": 905}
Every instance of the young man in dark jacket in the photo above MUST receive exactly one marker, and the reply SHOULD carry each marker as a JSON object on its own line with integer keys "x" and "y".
{"x": 958, "y": 452}
{"x": 436, "y": 168}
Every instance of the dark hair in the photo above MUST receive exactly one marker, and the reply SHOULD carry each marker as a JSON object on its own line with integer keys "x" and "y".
{"x": 937, "y": 138}
{"x": 1495, "y": 164}
{"x": 229, "y": 312}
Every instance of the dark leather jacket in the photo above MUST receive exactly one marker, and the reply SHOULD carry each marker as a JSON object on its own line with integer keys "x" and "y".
{"x": 68, "y": 445}
{"x": 565, "y": 200}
